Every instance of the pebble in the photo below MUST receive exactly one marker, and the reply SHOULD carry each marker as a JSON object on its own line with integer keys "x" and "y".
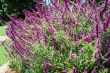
{"x": 3, "y": 38}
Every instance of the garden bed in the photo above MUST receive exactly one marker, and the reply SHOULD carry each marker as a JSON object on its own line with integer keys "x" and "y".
{"x": 55, "y": 39}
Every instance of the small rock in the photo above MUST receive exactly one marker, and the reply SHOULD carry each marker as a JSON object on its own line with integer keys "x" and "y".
{"x": 3, "y": 38}
{"x": 12, "y": 70}
{"x": 4, "y": 67}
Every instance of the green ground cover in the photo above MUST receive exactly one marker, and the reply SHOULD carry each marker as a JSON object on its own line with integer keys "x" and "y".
{"x": 3, "y": 57}
{"x": 2, "y": 31}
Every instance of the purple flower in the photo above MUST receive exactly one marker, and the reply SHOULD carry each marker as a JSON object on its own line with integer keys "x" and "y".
{"x": 44, "y": 67}
{"x": 97, "y": 29}
{"x": 70, "y": 21}
{"x": 88, "y": 38}
{"x": 96, "y": 54}
{"x": 55, "y": 43}
{"x": 45, "y": 39}
{"x": 83, "y": 34}
{"x": 24, "y": 38}
{"x": 102, "y": 13}
{"x": 85, "y": 70}
{"x": 78, "y": 1}
{"x": 23, "y": 57}
{"x": 62, "y": 17}
{"x": 94, "y": 70}
{"x": 66, "y": 4}
{"x": 69, "y": 33}
{"x": 27, "y": 64}
{"x": 33, "y": 57}
{"x": 75, "y": 37}
{"x": 90, "y": 15}
{"x": 46, "y": 14}
{"x": 106, "y": 23}
{"x": 39, "y": 8}
{"x": 50, "y": 30}
{"x": 108, "y": 59}
{"x": 38, "y": 35}
{"x": 16, "y": 49}
{"x": 73, "y": 70}
{"x": 54, "y": 1}
{"x": 64, "y": 71}
{"x": 82, "y": 51}
{"x": 57, "y": 5}
{"x": 22, "y": 46}
{"x": 73, "y": 56}
{"x": 108, "y": 50}
{"x": 74, "y": 8}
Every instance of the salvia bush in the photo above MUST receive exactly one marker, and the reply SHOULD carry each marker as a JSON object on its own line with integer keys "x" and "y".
{"x": 58, "y": 38}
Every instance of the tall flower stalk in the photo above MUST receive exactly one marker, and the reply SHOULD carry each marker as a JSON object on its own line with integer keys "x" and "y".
{"x": 43, "y": 23}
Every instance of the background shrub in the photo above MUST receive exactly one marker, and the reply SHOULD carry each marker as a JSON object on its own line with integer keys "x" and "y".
{"x": 14, "y": 8}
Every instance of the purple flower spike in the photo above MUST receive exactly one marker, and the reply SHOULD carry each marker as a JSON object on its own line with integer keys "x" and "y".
{"x": 109, "y": 50}
{"x": 78, "y": 1}
{"x": 94, "y": 70}
{"x": 88, "y": 38}
{"x": 105, "y": 24}
{"x": 108, "y": 59}
{"x": 70, "y": 22}
{"x": 73, "y": 56}
{"x": 75, "y": 37}
{"x": 69, "y": 33}
{"x": 45, "y": 39}
{"x": 28, "y": 64}
{"x": 22, "y": 57}
{"x": 74, "y": 9}
{"x": 33, "y": 57}
{"x": 85, "y": 70}
{"x": 50, "y": 30}
{"x": 38, "y": 35}
{"x": 97, "y": 29}
{"x": 58, "y": 6}
{"x": 66, "y": 4}
{"x": 44, "y": 67}
{"x": 82, "y": 51}
{"x": 64, "y": 71}
{"x": 73, "y": 70}
{"x": 96, "y": 54}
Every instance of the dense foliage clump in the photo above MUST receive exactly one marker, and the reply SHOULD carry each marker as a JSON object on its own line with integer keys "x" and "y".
{"x": 64, "y": 37}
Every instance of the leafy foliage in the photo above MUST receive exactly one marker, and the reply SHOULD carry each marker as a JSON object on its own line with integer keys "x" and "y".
{"x": 13, "y": 7}
{"x": 57, "y": 39}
